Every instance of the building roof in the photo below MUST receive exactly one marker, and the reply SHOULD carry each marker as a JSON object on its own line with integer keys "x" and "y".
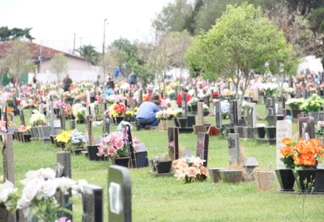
{"x": 37, "y": 50}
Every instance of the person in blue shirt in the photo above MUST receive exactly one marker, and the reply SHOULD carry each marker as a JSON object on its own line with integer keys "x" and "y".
{"x": 146, "y": 114}
{"x": 132, "y": 80}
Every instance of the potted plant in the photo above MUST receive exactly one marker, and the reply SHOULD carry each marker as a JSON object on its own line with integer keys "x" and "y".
{"x": 294, "y": 105}
{"x": 24, "y": 133}
{"x": 269, "y": 89}
{"x": 190, "y": 169}
{"x": 116, "y": 146}
{"x": 303, "y": 157}
{"x": 193, "y": 102}
{"x": 205, "y": 109}
{"x": 313, "y": 105}
{"x": 79, "y": 112}
{"x": 63, "y": 138}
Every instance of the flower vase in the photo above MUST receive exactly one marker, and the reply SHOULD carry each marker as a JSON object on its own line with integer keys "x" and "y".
{"x": 194, "y": 108}
{"x": 319, "y": 182}
{"x": 305, "y": 179}
{"x": 118, "y": 119}
{"x": 26, "y": 138}
{"x": 162, "y": 166}
{"x": 286, "y": 179}
{"x": 121, "y": 161}
{"x": 182, "y": 122}
{"x": 92, "y": 153}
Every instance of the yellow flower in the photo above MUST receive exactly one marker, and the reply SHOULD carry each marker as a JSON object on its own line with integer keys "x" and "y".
{"x": 64, "y": 136}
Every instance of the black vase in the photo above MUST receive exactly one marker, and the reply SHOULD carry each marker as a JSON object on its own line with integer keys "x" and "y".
{"x": 271, "y": 132}
{"x": 163, "y": 166}
{"x": 194, "y": 108}
{"x": 319, "y": 181}
{"x": 182, "y": 122}
{"x": 122, "y": 161}
{"x": 286, "y": 179}
{"x": 92, "y": 154}
{"x": 305, "y": 179}
{"x": 118, "y": 119}
{"x": 26, "y": 138}
{"x": 260, "y": 132}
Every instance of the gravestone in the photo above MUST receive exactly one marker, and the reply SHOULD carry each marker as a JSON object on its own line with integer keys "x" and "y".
{"x": 72, "y": 124}
{"x": 234, "y": 148}
{"x": 184, "y": 104}
{"x": 234, "y": 113}
{"x": 202, "y": 147}
{"x": 62, "y": 118}
{"x": 141, "y": 156}
{"x": 218, "y": 113}
{"x": 255, "y": 97}
{"x": 140, "y": 97}
{"x": 173, "y": 142}
{"x": 200, "y": 113}
{"x": 306, "y": 127}
{"x": 284, "y": 129}
{"x": 63, "y": 169}
{"x": 271, "y": 111}
{"x": 8, "y": 170}
{"x": 89, "y": 129}
{"x": 105, "y": 127}
{"x": 251, "y": 115}
{"x": 119, "y": 194}
{"x": 92, "y": 201}
{"x": 131, "y": 148}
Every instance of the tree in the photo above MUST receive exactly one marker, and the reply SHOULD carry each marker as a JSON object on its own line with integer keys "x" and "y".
{"x": 241, "y": 43}
{"x": 89, "y": 53}
{"x": 59, "y": 65}
{"x": 14, "y": 34}
{"x": 18, "y": 60}
{"x": 167, "y": 52}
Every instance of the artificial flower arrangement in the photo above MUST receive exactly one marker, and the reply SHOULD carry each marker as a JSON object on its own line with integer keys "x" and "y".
{"x": 116, "y": 109}
{"x": 319, "y": 129}
{"x": 3, "y": 126}
{"x": 64, "y": 136}
{"x": 313, "y": 104}
{"x": 79, "y": 111}
{"x": 77, "y": 139}
{"x": 37, "y": 199}
{"x": 193, "y": 101}
{"x": 37, "y": 119}
{"x": 129, "y": 113}
{"x": 190, "y": 169}
{"x": 169, "y": 114}
{"x": 302, "y": 153}
{"x": 294, "y": 104}
{"x": 116, "y": 145}
{"x": 269, "y": 89}
{"x": 24, "y": 129}
{"x": 9, "y": 100}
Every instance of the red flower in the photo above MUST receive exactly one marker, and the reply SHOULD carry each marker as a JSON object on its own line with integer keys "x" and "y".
{"x": 213, "y": 130}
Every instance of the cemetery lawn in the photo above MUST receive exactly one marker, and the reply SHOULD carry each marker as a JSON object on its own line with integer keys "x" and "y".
{"x": 166, "y": 199}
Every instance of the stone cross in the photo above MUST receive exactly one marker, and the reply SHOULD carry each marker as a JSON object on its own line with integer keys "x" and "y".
{"x": 251, "y": 115}
{"x": 119, "y": 194}
{"x": 234, "y": 148}
{"x": 173, "y": 142}
{"x": 92, "y": 201}
{"x": 131, "y": 148}
{"x": 89, "y": 128}
{"x": 202, "y": 146}
{"x": 218, "y": 113}
{"x": 284, "y": 129}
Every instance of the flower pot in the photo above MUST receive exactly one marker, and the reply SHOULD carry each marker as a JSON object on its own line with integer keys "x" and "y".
{"x": 319, "y": 181}
{"x": 286, "y": 179}
{"x": 305, "y": 179}
{"x": 118, "y": 119}
{"x": 206, "y": 112}
{"x": 271, "y": 132}
{"x": 26, "y": 138}
{"x": 80, "y": 121}
{"x": 231, "y": 176}
{"x": 78, "y": 152}
{"x": 92, "y": 154}
{"x": 260, "y": 131}
{"x": 264, "y": 180}
{"x": 215, "y": 174}
{"x": 182, "y": 122}
{"x": 194, "y": 108}
{"x": 121, "y": 161}
{"x": 162, "y": 166}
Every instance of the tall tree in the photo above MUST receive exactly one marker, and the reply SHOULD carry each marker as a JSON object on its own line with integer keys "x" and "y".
{"x": 7, "y": 34}
{"x": 89, "y": 53}
{"x": 17, "y": 60}
{"x": 241, "y": 43}
{"x": 59, "y": 65}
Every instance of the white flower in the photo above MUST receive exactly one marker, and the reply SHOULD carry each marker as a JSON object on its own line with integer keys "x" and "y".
{"x": 5, "y": 190}
{"x": 65, "y": 183}
{"x": 29, "y": 192}
{"x": 47, "y": 189}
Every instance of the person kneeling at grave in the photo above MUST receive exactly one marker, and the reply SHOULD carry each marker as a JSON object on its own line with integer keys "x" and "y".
{"x": 146, "y": 114}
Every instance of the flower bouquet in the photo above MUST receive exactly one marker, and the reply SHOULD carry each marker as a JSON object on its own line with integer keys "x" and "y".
{"x": 116, "y": 109}
{"x": 313, "y": 104}
{"x": 116, "y": 145}
{"x": 63, "y": 138}
{"x": 193, "y": 101}
{"x": 37, "y": 200}
{"x": 37, "y": 119}
{"x": 319, "y": 129}
{"x": 79, "y": 112}
{"x": 77, "y": 140}
{"x": 190, "y": 169}
{"x": 294, "y": 104}
{"x": 302, "y": 153}
{"x": 269, "y": 89}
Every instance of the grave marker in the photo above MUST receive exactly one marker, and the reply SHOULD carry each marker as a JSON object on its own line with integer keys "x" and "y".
{"x": 119, "y": 194}
{"x": 234, "y": 148}
{"x": 62, "y": 118}
{"x": 63, "y": 169}
{"x": 218, "y": 113}
{"x": 173, "y": 142}
{"x": 131, "y": 148}
{"x": 92, "y": 201}
{"x": 251, "y": 115}
{"x": 105, "y": 127}
{"x": 202, "y": 146}
{"x": 306, "y": 127}
{"x": 234, "y": 113}
{"x": 184, "y": 104}
{"x": 21, "y": 116}
{"x": 89, "y": 128}
{"x": 284, "y": 129}
{"x": 200, "y": 113}
{"x": 271, "y": 110}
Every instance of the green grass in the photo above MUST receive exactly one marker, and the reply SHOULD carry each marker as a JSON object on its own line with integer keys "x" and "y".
{"x": 166, "y": 199}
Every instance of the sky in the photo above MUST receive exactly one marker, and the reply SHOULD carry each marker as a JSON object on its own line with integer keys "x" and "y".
{"x": 54, "y": 23}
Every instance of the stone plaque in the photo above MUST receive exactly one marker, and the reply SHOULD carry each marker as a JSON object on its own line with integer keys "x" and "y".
{"x": 234, "y": 148}
{"x": 202, "y": 147}
{"x": 92, "y": 201}
{"x": 306, "y": 127}
{"x": 283, "y": 129}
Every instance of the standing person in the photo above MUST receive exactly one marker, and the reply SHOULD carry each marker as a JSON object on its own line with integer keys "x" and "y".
{"x": 97, "y": 82}
{"x": 110, "y": 82}
{"x": 132, "y": 80}
{"x": 146, "y": 114}
{"x": 34, "y": 81}
{"x": 179, "y": 96}
{"x": 67, "y": 81}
